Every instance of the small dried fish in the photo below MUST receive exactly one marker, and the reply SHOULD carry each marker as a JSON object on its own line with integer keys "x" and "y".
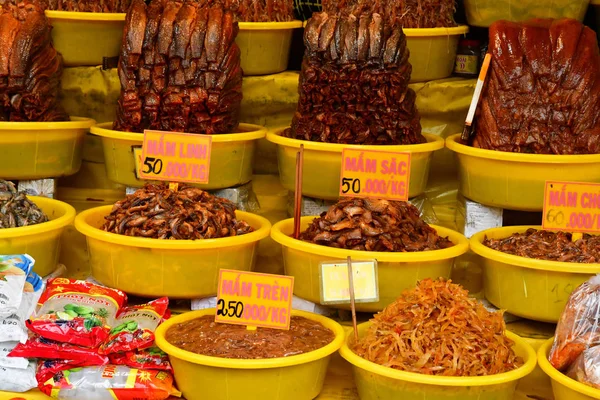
{"x": 16, "y": 209}
{"x": 155, "y": 211}
{"x": 374, "y": 225}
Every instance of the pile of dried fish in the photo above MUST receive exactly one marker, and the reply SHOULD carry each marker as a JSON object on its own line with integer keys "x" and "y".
{"x": 179, "y": 69}
{"x": 552, "y": 246}
{"x": 256, "y": 10}
{"x": 374, "y": 225}
{"x": 30, "y": 68}
{"x": 354, "y": 83}
{"x": 96, "y": 6}
{"x": 16, "y": 209}
{"x": 155, "y": 211}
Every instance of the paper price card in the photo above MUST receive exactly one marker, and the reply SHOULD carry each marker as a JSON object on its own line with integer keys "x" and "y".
{"x": 176, "y": 157}
{"x": 572, "y": 207}
{"x": 335, "y": 288}
{"x": 374, "y": 173}
{"x": 248, "y": 298}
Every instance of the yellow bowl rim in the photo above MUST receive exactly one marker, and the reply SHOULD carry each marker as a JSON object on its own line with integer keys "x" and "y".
{"x": 452, "y": 144}
{"x": 85, "y": 16}
{"x": 261, "y": 225}
{"x": 74, "y": 123}
{"x": 253, "y": 132}
{"x": 264, "y": 363}
{"x": 559, "y": 377}
{"x": 268, "y": 26}
{"x": 479, "y": 248}
{"x": 434, "y": 142}
{"x": 52, "y": 225}
{"x": 455, "y": 381}
{"x": 461, "y": 246}
{"x": 429, "y": 32}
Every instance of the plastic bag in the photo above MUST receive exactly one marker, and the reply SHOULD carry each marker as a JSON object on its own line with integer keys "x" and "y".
{"x": 151, "y": 358}
{"x": 46, "y": 369}
{"x": 18, "y": 380}
{"x": 134, "y": 327}
{"x": 12, "y": 328}
{"x": 11, "y": 362}
{"x": 39, "y": 347}
{"x": 110, "y": 382}
{"x": 76, "y": 312}
{"x": 579, "y": 325}
{"x": 14, "y": 270}
{"x": 586, "y": 369}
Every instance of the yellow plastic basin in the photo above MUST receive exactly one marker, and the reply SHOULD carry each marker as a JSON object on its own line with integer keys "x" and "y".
{"x": 147, "y": 267}
{"x": 231, "y": 157}
{"x": 37, "y": 150}
{"x": 84, "y": 38}
{"x": 563, "y": 387}
{"x": 298, "y": 377}
{"x": 516, "y": 181}
{"x": 323, "y": 163}
{"x": 396, "y": 271}
{"x": 433, "y": 51}
{"x": 529, "y": 288}
{"x": 265, "y": 46}
{"x": 485, "y": 12}
{"x": 41, "y": 241}
{"x": 376, "y": 382}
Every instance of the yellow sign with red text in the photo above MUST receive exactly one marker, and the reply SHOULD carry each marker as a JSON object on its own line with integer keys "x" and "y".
{"x": 374, "y": 173}
{"x": 175, "y": 157}
{"x": 253, "y": 299}
{"x": 572, "y": 207}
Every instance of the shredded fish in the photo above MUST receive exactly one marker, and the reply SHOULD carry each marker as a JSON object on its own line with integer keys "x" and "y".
{"x": 436, "y": 329}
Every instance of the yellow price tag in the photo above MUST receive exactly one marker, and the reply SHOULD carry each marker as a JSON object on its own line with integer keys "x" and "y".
{"x": 374, "y": 173}
{"x": 335, "y": 288}
{"x": 253, "y": 299}
{"x": 572, "y": 207}
{"x": 176, "y": 157}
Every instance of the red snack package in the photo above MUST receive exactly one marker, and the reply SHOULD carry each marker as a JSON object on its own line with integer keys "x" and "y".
{"x": 39, "y": 347}
{"x": 134, "y": 327}
{"x": 76, "y": 312}
{"x": 151, "y": 358}
{"x": 46, "y": 369}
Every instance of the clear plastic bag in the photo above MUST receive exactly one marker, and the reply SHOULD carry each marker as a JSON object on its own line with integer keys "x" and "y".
{"x": 586, "y": 369}
{"x": 579, "y": 325}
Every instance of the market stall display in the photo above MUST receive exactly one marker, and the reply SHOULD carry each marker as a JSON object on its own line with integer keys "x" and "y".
{"x": 295, "y": 376}
{"x": 396, "y": 270}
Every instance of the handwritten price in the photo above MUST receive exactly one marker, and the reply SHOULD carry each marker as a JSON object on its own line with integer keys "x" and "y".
{"x": 234, "y": 309}
{"x": 373, "y": 186}
{"x": 577, "y": 220}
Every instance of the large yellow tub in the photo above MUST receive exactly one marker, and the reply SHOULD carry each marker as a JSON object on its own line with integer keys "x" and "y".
{"x": 298, "y": 377}
{"x": 231, "y": 157}
{"x": 41, "y": 241}
{"x": 433, "y": 51}
{"x": 147, "y": 267}
{"x": 563, "y": 387}
{"x": 84, "y": 38}
{"x": 483, "y": 13}
{"x": 376, "y": 382}
{"x": 265, "y": 46}
{"x": 529, "y": 288}
{"x": 516, "y": 181}
{"x": 323, "y": 163}
{"x": 37, "y": 150}
{"x": 396, "y": 271}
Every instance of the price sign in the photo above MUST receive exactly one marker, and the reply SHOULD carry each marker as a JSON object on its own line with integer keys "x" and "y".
{"x": 335, "y": 286}
{"x": 572, "y": 207}
{"x": 176, "y": 157}
{"x": 248, "y": 298}
{"x": 374, "y": 173}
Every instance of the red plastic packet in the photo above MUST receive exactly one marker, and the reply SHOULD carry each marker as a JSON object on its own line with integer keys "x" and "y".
{"x": 151, "y": 358}
{"x": 76, "y": 312}
{"x": 39, "y": 347}
{"x": 134, "y": 327}
{"x": 46, "y": 369}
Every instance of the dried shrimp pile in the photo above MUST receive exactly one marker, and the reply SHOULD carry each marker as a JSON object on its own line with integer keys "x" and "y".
{"x": 16, "y": 209}
{"x": 436, "y": 329}
{"x": 158, "y": 212}
{"x": 374, "y": 225}
{"x": 552, "y": 246}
